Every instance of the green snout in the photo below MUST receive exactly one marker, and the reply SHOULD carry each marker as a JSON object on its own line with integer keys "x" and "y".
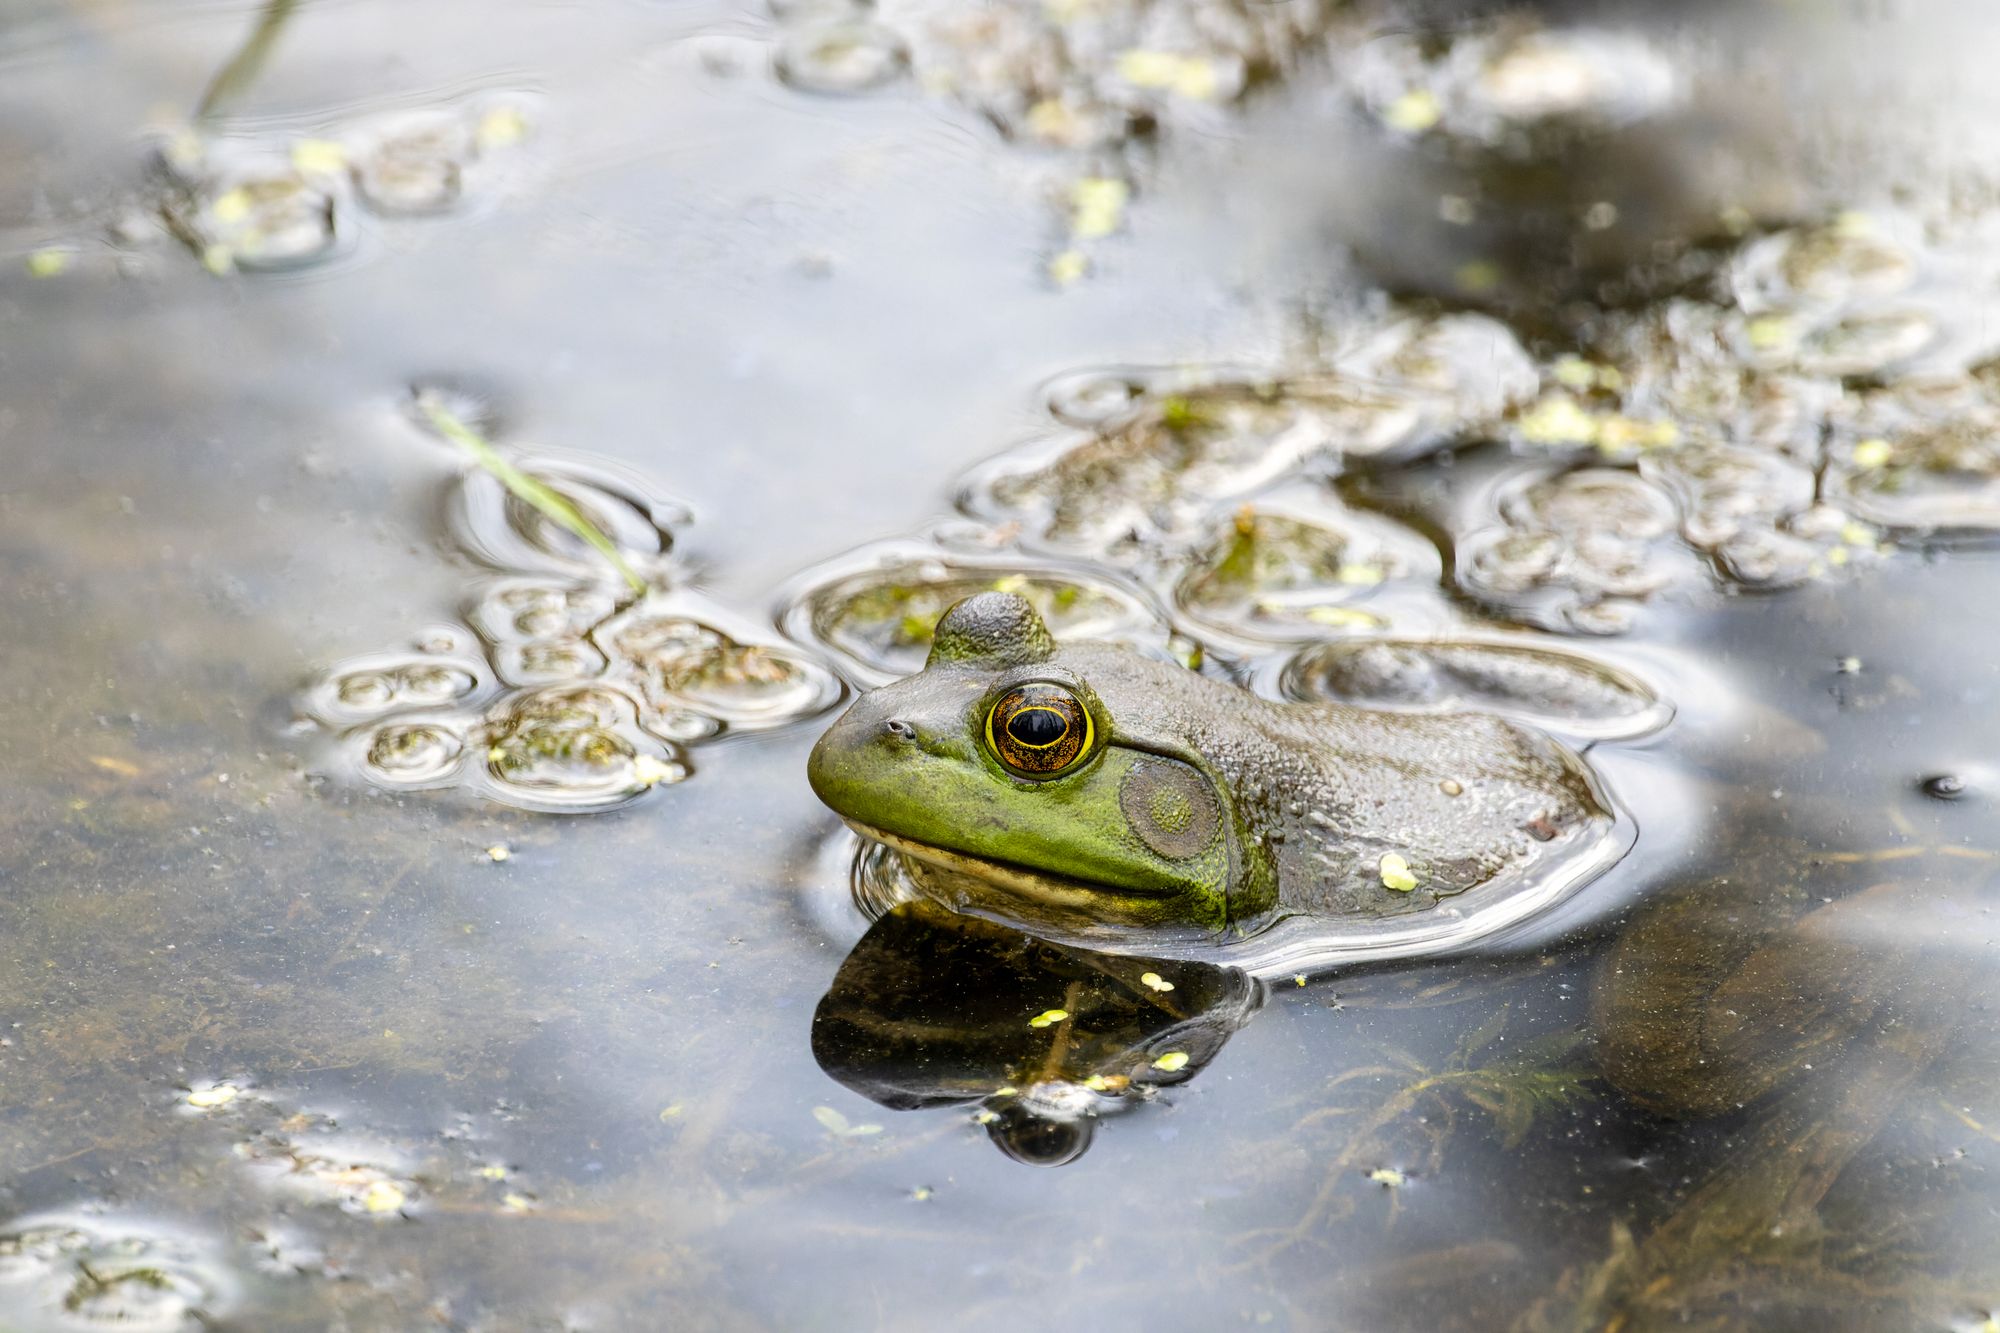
{"x": 907, "y": 760}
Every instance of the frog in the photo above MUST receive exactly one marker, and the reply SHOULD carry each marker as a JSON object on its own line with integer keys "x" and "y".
{"x": 1089, "y": 793}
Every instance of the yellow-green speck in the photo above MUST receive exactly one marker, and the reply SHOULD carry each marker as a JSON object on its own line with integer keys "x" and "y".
{"x": 1189, "y": 76}
{"x": 1872, "y": 453}
{"x": 650, "y": 772}
{"x": 1097, "y": 206}
{"x": 1342, "y": 617}
{"x": 1362, "y": 575}
{"x": 1067, "y": 267}
{"x": 1396, "y": 873}
{"x": 1768, "y": 333}
{"x": 319, "y": 157}
{"x": 1172, "y": 1062}
{"x": 1556, "y": 419}
{"x": 209, "y": 1098}
{"x": 1048, "y": 1018}
{"x": 384, "y": 1196}
{"x": 1477, "y": 277}
{"x": 502, "y": 127}
{"x": 1414, "y": 112}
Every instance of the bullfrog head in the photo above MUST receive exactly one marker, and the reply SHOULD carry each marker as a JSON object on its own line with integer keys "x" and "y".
{"x": 1038, "y": 784}
{"x": 1088, "y": 792}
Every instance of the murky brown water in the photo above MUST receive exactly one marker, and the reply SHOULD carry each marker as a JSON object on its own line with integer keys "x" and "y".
{"x": 409, "y": 924}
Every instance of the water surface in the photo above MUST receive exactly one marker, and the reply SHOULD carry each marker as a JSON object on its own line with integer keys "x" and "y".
{"x": 289, "y": 1048}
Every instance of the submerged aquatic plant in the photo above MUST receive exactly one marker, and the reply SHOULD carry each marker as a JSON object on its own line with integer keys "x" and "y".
{"x": 525, "y": 488}
{"x": 1412, "y": 1123}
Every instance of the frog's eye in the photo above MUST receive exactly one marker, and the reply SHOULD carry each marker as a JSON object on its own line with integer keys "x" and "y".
{"x": 1039, "y": 730}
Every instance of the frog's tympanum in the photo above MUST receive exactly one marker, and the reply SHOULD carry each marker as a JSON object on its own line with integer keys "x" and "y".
{"x": 1087, "y": 792}
{"x": 936, "y": 1009}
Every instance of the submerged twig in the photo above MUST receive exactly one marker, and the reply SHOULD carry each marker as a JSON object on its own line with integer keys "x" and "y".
{"x": 526, "y": 488}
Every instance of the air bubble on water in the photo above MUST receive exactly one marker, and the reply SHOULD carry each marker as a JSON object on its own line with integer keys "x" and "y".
{"x": 411, "y": 164}
{"x": 364, "y": 689}
{"x": 1860, "y": 345}
{"x": 797, "y": 11}
{"x": 414, "y": 164}
{"x": 687, "y": 664}
{"x": 412, "y": 754}
{"x": 548, "y": 661}
{"x": 1771, "y": 559}
{"x": 571, "y": 749}
{"x": 1853, "y": 257}
{"x": 682, "y": 726}
{"x": 1575, "y": 549}
{"x": 1725, "y": 494}
{"x": 1607, "y": 616}
{"x": 1612, "y": 78}
{"x": 1503, "y": 85}
{"x": 1475, "y": 365}
{"x": 257, "y": 215}
{"x": 841, "y": 57}
{"x": 1512, "y": 561}
{"x": 1089, "y": 399}
{"x": 1923, "y": 462}
{"x": 531, "y": 610}
{"x": 1398, "y": 387}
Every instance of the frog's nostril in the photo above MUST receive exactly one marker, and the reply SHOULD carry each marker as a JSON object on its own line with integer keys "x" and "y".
{"x": 900, "y": 729}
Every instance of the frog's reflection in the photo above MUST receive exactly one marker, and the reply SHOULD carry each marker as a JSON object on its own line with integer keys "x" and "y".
{"x": 936, "y": 1009}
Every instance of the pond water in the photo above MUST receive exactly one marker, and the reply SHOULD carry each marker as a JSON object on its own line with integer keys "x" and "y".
{"x": 407, "y": 920}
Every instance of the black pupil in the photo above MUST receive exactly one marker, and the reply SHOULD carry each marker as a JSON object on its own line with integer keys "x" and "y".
{"x": 1037, "y": 727}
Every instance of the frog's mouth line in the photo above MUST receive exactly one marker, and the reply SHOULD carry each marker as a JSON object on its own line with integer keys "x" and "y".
{"x": 1051, "y": 888}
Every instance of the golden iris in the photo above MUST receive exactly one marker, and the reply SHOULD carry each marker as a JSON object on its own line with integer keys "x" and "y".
{"x": 1039, "y": 730}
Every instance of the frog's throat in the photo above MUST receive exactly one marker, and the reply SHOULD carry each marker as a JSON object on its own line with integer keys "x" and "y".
{"x": 1039, "y": 885}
